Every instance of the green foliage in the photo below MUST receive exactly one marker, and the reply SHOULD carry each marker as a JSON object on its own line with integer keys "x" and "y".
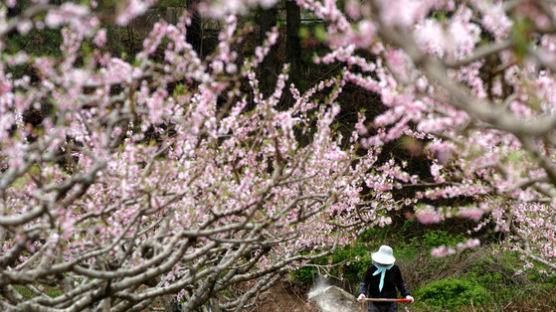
{"x": 304, "y": 33}
{"x": 115, "y": 43}
{"x": 496, "y": 274}
{"x": 434, "y": 239}
{"x": 305, "y": 275}
{"x": 439, "y": 15}
{"x": 350, "y": 262}
{"x": 54, "y": 293}
{"x": 179, "y": 90}
{"x": 521, "y": 36}
{"x": 45, "y": 42}
{"x": 320, "y": 33}
{"x": 343, "y": 265}
{"x": 171, "y": 3}
{"x": 452, "y": 293}
{"x": 24, "y": 291}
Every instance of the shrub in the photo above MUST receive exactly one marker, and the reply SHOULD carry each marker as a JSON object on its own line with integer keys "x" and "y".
{"x": 451, "y": 294}
{"x": 344, "y": 267}
{"x": 436, "y": 238}
{"x": 353, "y": 260}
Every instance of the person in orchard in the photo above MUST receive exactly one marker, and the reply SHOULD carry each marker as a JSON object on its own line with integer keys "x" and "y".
{"x": 381, "y": 280}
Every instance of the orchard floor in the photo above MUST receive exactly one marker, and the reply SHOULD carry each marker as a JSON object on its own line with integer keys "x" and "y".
{"x": 288, "y": 297}
{"x": 285, "y": 296}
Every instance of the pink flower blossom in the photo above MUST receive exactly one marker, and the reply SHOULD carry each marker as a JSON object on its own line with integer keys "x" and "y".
{"x": 442, "y": 251}
{"x": 100, "y": 38}
{"x": 132, "y": 9}
{"x": 472, "y": 243}
{"x": 429, "y": 215}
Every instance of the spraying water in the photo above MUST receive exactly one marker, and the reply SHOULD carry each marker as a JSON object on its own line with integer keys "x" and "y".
{"x": 332, "y": 298}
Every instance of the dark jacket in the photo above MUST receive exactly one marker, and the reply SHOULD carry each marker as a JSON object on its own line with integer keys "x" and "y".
{"x": 392, "y": 280}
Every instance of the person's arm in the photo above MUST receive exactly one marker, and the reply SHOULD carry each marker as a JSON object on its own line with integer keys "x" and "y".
{"x": 364, "y": 282}
{"x": 400, "y": 284}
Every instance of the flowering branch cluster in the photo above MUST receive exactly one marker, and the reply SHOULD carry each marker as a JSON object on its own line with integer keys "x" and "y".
{"x": 168, "y": 174}
{"x": 125, "y": 180}
{"x": 471, "y": 80}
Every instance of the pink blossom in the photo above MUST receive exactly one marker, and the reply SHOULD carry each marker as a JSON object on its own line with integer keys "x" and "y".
{"x": 100, "y": 38}
{"x": 468, "y": 244}
{"x": 68, "y": 13}
{"x": 24, "y": 27}
{"x": 495, "y": 20}
{"x": 428, "y": 215}
{"x": 463, "y": 34}
{"x": 442, "y": 251}
{"x": 473, "y": 213}
{"x": 431, "y": 36}
{"x": 132, "y": 9}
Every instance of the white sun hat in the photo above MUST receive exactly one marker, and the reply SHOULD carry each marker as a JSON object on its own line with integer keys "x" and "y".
{"x": 384, "y": 255}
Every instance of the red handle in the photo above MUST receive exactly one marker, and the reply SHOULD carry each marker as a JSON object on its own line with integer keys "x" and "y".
{"x": 387, "y": 300}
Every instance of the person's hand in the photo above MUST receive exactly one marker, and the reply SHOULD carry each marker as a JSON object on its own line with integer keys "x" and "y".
{"x": 361, "y": 298}
{"x": 410, "y": 298}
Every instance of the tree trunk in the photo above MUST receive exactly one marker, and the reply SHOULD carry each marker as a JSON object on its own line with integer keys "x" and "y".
{"x": 194, "y": 31}
{"x": 293, "y": 52}
{"x": 293, "y": 45}
{"x": 269, "y": 68}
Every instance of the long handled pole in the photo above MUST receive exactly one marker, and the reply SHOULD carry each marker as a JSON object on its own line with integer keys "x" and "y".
{"x": 363, "y": 303}
{"x": 387, "y": 300}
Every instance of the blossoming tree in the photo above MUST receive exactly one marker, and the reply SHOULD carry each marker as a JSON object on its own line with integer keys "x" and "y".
{"x": 169, "y": 174}
{"x": 472, "y": 81}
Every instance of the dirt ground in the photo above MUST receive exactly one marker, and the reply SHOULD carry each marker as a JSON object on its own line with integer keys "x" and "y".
{"x": 285, "y": 297}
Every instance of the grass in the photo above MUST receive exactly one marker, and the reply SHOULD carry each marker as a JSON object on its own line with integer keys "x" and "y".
{"x": 24, "y": 291}
{"x": 51, "y": 291}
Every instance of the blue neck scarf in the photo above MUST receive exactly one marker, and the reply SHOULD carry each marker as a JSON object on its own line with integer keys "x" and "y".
{"x": 382, "y": 271}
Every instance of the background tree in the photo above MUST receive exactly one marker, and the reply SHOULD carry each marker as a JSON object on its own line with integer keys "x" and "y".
{"x": 163, "y": 173}
{"x": 293, "y": 45}
{"x": 267, "y": 18}
{"x": 194, "y": 31}
{"x": 487, "y": 132}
